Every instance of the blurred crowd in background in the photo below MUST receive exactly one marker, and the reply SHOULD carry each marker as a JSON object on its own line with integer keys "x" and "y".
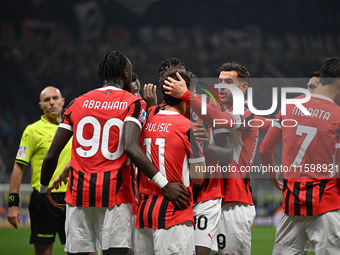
{"x": 60, "y": 43}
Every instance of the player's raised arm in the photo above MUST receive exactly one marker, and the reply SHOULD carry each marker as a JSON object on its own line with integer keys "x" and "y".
{"x": 178, "y": 89}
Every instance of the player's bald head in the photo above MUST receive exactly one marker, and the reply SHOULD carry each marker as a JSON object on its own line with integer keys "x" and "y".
{"x": 48, "y": 90}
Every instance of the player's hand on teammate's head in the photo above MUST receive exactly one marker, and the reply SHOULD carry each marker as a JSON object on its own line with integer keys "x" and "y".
{"x": 50, "y": 200}
{"x": 178, "y": 194}
{"x": 149, "y": 94}
{"x": 175, "y": 88}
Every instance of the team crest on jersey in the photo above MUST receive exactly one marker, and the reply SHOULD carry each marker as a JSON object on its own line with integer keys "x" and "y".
{"x": 194, "y": 116}
{"x": 142, "y": 116}
{"x": 22, "y": 152}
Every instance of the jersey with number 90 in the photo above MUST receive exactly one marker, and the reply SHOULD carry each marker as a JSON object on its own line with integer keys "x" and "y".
{"x": 99, "y": 173}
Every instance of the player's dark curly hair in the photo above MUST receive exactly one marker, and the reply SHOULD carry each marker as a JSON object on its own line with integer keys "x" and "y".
{"x": 170, "y": 63}
{"x": 314, "y": 74}
{"x": 242, "y": 72}
{"x": 330, "y": 70}
{"x": 112, "y": 67}
{"x": 190, "y": 80}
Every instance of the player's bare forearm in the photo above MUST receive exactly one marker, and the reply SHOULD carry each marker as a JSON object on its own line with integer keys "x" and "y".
{"x": 132, "y": 148}
{"x": 18, "y": 170}
{"x": 178, "y": 89}
{"x": 13, "y": 214}
{"x": 197, "y": 172}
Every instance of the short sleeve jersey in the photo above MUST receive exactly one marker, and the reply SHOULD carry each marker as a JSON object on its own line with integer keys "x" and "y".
{"x": 244, "y": 138}
{"x": 166, "y": 141}
{"x": 100, "y": 172}
{"x": 34, "y": 145}
{"x": 309, "y": 145}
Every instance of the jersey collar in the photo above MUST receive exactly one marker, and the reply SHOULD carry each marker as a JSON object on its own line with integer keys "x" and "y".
{"x": 322, "y": 97}
{"x": 167, "y": 112}
{"x": 46, "y": 121}
{"x": 109, "y": 87}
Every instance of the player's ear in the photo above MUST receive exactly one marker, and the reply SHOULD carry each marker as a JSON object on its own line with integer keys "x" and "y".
{"x": 244, "y": 87}
{"x": 40, "y": 104}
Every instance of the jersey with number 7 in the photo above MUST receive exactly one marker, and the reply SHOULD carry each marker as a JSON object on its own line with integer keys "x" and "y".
{"x": 309, "y": 148}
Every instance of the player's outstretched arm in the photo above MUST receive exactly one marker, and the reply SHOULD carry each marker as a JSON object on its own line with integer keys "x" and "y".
{"x": 272, "y": 138}
{"x": 175, "y": 192}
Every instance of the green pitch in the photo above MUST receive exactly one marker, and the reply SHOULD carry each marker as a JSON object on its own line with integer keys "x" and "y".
{"x": 15, "y": 241}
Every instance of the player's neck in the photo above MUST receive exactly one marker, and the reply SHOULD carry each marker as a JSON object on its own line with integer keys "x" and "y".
{"x": 177, "y": 108}
{"x": 327, "y": 91}
{"x": 117, "y": 84}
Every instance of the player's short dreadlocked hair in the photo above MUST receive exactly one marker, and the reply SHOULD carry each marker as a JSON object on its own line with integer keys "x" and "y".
{"x": 112, "y": 67}
{"x": 190, "y": 80}
{"x": 330, "y": 71}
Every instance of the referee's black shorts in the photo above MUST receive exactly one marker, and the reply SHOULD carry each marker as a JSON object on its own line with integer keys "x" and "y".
{"x": 46, "y": 220}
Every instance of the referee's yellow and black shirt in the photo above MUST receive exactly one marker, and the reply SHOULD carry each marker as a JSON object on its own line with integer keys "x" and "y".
{"x": 34, "y": 144}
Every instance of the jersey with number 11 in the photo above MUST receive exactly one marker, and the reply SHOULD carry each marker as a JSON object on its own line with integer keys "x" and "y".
{"x": 100, "y": 173}
{"x": 166, "y": 141}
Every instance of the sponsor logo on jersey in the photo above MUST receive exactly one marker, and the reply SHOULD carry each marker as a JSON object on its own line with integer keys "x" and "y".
{"x": 142, "y": 116}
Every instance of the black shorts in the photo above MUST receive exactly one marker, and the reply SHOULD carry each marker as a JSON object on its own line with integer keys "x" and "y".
{"x": 46, "y": 220}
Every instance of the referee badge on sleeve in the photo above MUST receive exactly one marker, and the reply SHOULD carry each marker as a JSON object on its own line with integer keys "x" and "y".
{"x": 22, "y": 152}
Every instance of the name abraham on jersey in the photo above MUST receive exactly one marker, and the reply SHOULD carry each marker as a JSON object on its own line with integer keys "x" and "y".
{"x": 315, "y": 113}
{"x": 106, "y": 105}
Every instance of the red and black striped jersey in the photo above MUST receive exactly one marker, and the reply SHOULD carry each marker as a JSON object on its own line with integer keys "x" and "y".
{"x": 153, "y": 110}
{"x": 100, "y": 174}
{"x": 309, "y": 151}
{"x": 244, "y": 139}
{"x": 169, "y": 143}
{"x": 212, "y": 185}
{"x": 237, "y": 186}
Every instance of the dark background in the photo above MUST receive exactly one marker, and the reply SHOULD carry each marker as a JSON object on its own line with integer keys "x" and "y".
{"x": 60, "y": 43}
